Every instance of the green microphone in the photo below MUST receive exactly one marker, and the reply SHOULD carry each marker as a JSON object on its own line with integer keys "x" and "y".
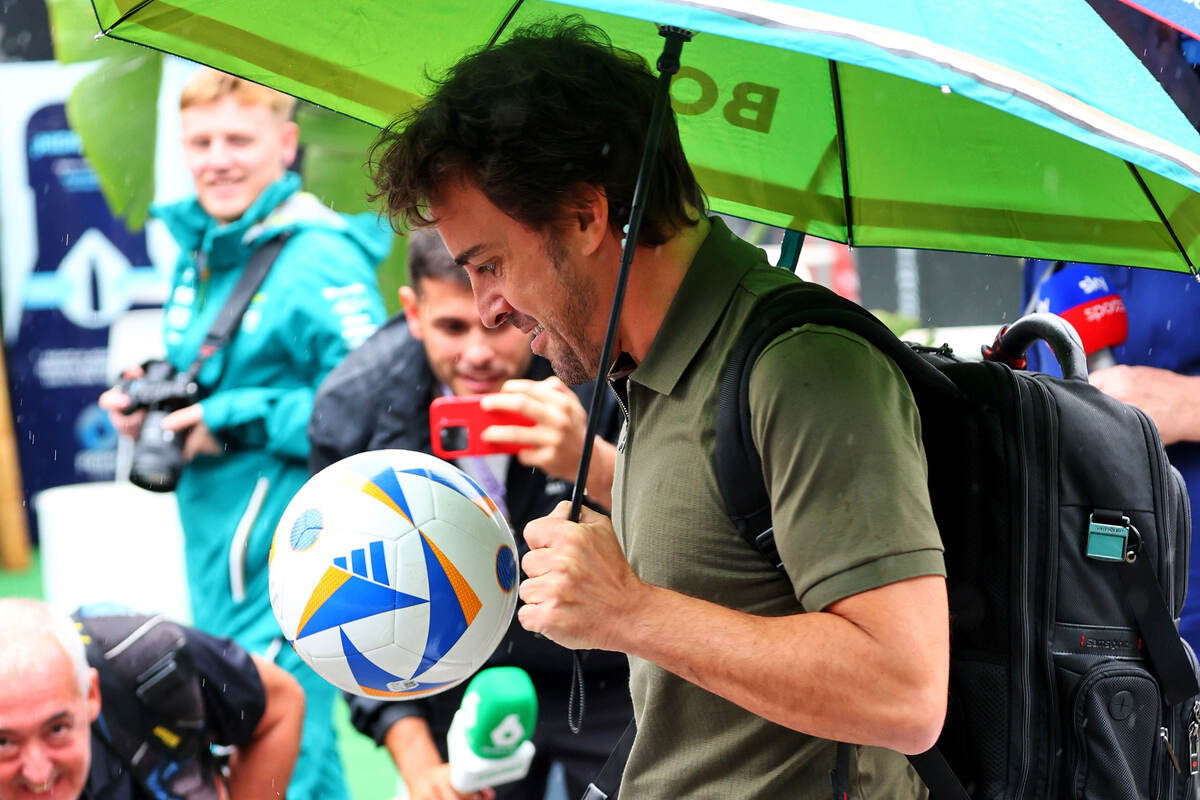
{"x": 489, "y": 736}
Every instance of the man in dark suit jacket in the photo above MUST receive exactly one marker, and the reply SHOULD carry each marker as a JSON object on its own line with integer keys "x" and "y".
{"x": 379, "y": 398}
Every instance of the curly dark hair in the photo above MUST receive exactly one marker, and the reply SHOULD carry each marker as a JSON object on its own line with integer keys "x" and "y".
{"x": 529, "y": 119}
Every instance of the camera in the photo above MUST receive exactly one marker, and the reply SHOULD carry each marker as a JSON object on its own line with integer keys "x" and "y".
{"x": 158, "y": 453}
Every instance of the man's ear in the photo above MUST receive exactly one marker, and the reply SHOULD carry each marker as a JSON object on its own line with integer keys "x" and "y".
{"x": 588, "y": 216}
{"x": 93, "y": 694}
{"x": 412, "y": 310}
{"x": 289, "y": 134}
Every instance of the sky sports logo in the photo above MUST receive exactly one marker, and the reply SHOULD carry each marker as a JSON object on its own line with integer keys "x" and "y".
{"x": 1106, "y": 307}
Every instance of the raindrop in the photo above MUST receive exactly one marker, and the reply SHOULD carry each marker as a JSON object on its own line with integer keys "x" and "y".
{"x": 1149, "y": 351}
{"x": 1050, "y": 180}
{"x": 604, "y": 151}
{"x": 1169, "y": 324}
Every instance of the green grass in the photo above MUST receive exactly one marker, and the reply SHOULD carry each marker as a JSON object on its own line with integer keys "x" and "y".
{"x": 26, "y": 583}
{"x": 370, "y": 773}
{"x": 369, "y": 770}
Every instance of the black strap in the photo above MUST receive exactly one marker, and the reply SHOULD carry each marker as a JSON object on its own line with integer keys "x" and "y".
{"x": 839, "y": 776}
{"x": 608, "y": 781}
{"x": 230, "y": 315}
{"x": 153, "y": 705}
{"x": 935, "y": 771}
{"x": 738, "y": 464}
{"x": 1163, "y": 643}
{"x": 1144, "y": 595}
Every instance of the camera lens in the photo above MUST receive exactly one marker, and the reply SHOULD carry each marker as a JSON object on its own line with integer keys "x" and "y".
{"x": 157, "y": 455}
{"x": 454, "y": 438}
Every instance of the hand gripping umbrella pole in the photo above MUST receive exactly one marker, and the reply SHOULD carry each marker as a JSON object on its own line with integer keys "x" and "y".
{"x": 668, "y": 65}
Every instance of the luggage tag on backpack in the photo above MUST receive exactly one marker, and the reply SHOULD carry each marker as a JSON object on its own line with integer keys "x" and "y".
{"x": 1105, "y": 541}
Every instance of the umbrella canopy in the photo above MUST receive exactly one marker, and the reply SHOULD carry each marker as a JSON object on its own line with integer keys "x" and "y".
{"x": 1183, "y": 17}
{"x": 1012, "y": 127}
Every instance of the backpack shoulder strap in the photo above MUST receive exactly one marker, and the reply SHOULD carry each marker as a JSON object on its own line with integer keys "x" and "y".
{"x": 738, "y": 464}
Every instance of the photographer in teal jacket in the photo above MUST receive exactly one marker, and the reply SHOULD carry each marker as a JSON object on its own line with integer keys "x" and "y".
{"x": 246, "y": 445}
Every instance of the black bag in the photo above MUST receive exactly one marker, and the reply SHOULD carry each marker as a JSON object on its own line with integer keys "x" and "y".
{"x": 152, "y": 706}
{"x": 1066, "y": 536}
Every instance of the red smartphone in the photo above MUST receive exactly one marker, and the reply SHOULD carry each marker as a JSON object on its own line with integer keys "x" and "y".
{"x": 456, "y": 425}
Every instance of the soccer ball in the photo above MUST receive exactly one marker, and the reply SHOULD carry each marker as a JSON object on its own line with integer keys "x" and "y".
{"x": 393, "y": 574}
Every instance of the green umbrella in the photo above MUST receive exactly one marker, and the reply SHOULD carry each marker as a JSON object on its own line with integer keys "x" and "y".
{"x": 1013, "y": 127}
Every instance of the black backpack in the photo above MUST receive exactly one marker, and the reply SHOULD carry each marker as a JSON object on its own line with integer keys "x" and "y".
{"x": 1066, "y": 536}
{"x": 152, "y": 705}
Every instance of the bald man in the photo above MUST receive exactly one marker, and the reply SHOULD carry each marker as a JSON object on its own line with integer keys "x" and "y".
{"x": 66, "y": 727}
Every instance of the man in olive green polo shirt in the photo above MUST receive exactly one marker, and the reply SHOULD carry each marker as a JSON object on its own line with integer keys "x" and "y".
{"x": 742, "y": 676}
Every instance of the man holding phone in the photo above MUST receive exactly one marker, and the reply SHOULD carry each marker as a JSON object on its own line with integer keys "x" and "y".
{"x": 378, "y": 398}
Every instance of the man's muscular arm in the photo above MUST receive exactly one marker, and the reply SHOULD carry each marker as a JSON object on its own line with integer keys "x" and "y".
{"x": 870, "y": 669}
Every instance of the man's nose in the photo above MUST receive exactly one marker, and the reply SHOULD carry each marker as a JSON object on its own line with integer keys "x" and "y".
{"x": 478, "y": 351}
{"x": 36, "y": 766}
{"x": 493, "y": 309}
{"x": 219, "y": 154}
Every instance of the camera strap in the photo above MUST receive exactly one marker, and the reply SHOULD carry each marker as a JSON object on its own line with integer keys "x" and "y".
{"x": 230, "y": 315}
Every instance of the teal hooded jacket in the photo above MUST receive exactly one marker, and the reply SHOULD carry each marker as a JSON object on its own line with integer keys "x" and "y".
{"x": 319, "y": 300}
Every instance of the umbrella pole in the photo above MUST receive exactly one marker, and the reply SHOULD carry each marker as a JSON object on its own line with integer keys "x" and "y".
{"x": 668, "y": 65}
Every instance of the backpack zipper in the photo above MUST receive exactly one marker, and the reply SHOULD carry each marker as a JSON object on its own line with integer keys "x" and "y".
{"x": 1023, "y": 569}
{"x": 1161, "y": 512}
{"x": 1194, "y": 740}
{"x": 1166, "y": 738}
{"x": 1051, "y": 524}
{"x": 1040, "y": 400}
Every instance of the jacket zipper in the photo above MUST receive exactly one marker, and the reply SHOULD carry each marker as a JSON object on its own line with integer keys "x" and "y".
{"x": 241, "y": 538}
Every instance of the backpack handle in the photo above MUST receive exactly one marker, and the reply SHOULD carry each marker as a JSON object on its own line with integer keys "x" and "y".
{"x": 1012, "y": 342}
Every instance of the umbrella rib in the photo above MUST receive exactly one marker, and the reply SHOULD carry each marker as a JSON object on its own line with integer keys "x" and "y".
{"x": 1163, "y": 218}
{"x": 126, "y": 16}
{"x": 836, "y": 88}
{"x": 504, "y": 23}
